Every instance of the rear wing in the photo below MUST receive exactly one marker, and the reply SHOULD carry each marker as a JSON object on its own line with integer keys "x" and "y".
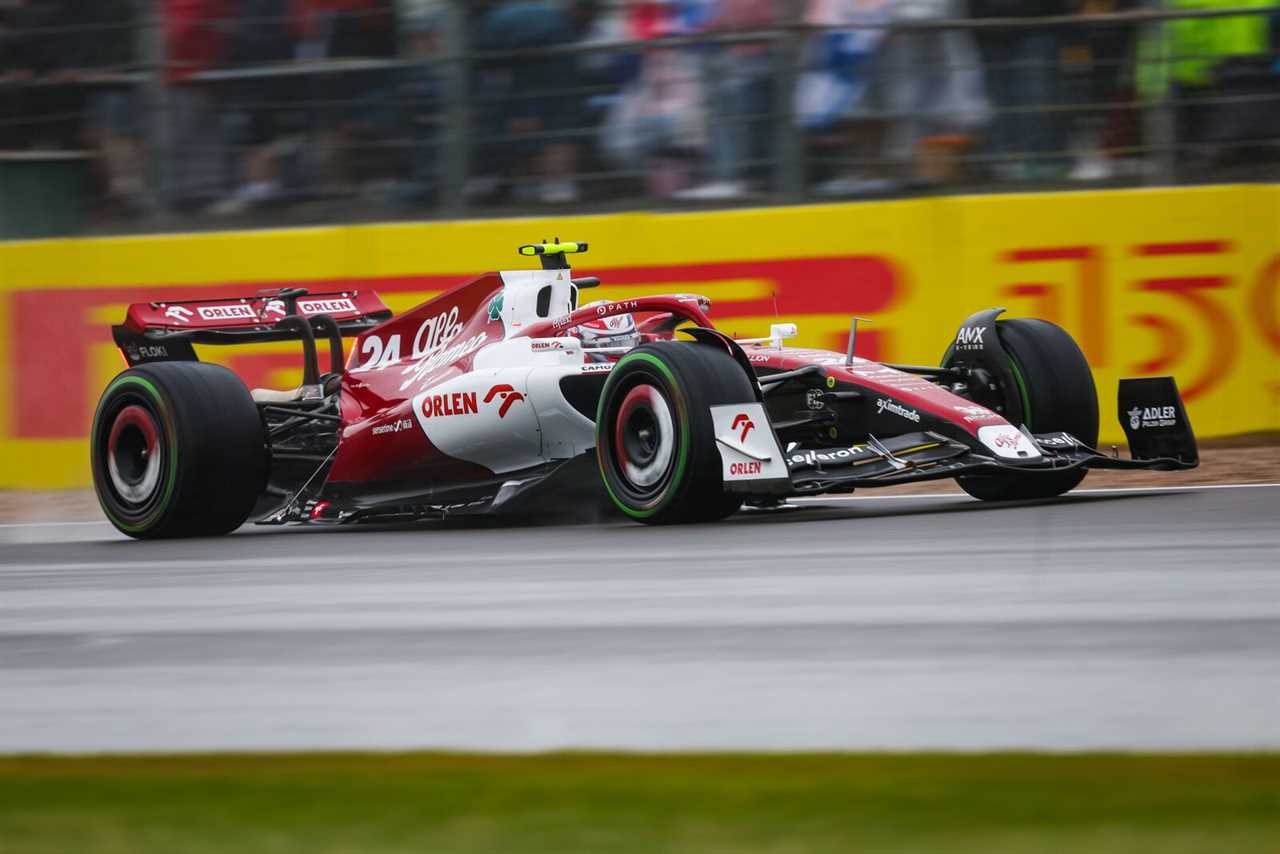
{"x": 166, "y": 331}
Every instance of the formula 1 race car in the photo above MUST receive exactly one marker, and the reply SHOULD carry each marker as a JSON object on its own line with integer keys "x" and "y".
{"x": 504, "y": 393}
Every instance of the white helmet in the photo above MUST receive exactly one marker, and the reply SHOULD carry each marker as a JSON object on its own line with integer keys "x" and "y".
{"x": 616, "y": 331}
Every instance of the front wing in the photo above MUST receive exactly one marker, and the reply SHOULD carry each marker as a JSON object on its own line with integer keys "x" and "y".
{"x": 930, "y": 456}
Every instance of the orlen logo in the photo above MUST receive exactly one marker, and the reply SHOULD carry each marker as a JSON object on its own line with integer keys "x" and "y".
{"x": 970, "y": 337}
{"x": 326, "y": 306}
{"x": 179, "y": 313}
{"x": 745, "y": 423}
{"x": 457, "y": 403}
{"x": 226, "y": 312}
{"x": 510, "y": 397}
{"x": 745, "y": 469}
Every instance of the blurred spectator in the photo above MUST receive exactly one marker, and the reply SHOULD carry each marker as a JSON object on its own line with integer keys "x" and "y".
{"x": 37, "y": 46}
{"x": 254, "y": 111}
{"x": 1098, "y": 62}
{"x": 113, "y": 126}
{"x": 1213, "y": 58}
{"x": 532, "y": 111}
{"x": 658, "y": 125}
{"x": 422, "y": 27}
{"x": 17, "y": 65}
{"x": 1023, "y": 81}
{"x": 901, "y": 103}
{"x": 931, "y": 83}
{"x": 76, "y": 54}
{"x": 352, "y": 117}
{"x": 838, "y": 98}
{"x": 736, "y": 85}
{"x": 196, "y": 36}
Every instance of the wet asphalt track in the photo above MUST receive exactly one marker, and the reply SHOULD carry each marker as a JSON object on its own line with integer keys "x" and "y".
{"x": 1124, "y": 620}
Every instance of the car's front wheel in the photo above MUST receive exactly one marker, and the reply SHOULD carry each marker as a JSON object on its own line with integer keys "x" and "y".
{"x": 1057, "y": 393}
{"x": 655, "y": 438}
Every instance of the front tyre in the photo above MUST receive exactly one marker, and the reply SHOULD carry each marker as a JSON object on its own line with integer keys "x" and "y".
{"x": 655, "y": 439}
{"x": 177, "y": 450}
{"x": 1057, "y": 392}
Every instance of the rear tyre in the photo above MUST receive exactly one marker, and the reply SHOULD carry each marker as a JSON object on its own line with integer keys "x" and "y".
{"x": 655, "y": 440}
{"x": 177, "y": 450}
{"x": 1057, "y": 391}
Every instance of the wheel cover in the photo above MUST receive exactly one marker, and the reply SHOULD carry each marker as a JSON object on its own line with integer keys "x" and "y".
{"x": 134, "y": 455}
{"x": 645, "y": 439}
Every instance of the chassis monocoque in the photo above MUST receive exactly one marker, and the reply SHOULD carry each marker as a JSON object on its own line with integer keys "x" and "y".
{"x": 488, "y": 398}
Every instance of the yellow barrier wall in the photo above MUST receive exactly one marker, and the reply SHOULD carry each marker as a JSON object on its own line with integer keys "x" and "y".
{"x": 1181, "y": 281}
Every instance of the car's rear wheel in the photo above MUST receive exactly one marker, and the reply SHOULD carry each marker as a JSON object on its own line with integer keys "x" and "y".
{"x": 655, "y": 440}
{"x": 177, "y": 450}
{"x": 1057, "y": 393}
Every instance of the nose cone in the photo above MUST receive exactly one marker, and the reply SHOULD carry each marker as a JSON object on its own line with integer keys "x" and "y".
{"x": 1008, "y": 442}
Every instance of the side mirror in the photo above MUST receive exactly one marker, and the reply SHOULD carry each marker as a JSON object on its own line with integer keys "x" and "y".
{"x": 780, "y": 332}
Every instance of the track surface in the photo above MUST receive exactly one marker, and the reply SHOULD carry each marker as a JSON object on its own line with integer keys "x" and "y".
{"x": 1119, "y": 620}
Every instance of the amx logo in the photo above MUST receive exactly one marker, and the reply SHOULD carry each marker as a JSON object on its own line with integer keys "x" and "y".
{"x": 510, "y": 397}
{"x": 970, "y": 337}
{"x": 745, "y": 423}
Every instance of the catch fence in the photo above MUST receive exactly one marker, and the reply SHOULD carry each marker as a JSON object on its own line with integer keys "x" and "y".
{"x": 127, "y": 120}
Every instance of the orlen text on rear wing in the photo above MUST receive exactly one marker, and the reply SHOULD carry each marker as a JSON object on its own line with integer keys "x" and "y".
{"x": 166, "y": 331}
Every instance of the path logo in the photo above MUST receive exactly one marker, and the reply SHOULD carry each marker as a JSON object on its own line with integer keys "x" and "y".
{"x": 745, "y": 423}
{"x": 510, "y": 397}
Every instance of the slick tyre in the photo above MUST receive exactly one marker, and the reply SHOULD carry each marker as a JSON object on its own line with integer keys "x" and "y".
{"x": 178, "y": 450}
{"x": 655, "y": 440}
{"x": 1057, "y": 391}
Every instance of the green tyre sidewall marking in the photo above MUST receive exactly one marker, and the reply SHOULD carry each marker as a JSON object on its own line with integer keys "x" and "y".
{"x": 1017, "y": 378}
{"x": 681, "y": 458}
{"x": 171, "y": 476}
{"x": 1022, "y": 391}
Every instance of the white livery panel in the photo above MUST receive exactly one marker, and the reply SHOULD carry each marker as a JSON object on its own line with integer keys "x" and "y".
{"x": 747, "y": 445}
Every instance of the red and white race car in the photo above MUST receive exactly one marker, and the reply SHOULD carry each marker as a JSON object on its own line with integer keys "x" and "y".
{"x": 504, "y": 393}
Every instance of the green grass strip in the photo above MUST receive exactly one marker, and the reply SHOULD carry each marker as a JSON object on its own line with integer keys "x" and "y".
{"x": 627, "y": 803}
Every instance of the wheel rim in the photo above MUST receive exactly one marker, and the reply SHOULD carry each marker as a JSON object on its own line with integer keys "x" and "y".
{"x": 134, "y": 456}
{"x": 645, "y": 439}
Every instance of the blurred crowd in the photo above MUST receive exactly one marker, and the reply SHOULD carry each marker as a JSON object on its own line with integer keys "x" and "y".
{"x": 271, "y": 102}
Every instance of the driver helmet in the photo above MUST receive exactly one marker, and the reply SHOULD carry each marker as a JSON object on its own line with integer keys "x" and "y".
{"x": 618, "y": 330}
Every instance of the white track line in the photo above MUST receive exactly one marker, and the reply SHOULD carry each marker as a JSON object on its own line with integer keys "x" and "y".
{"x": 1191, "y": 487}
{"x": 50, "y": 524}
